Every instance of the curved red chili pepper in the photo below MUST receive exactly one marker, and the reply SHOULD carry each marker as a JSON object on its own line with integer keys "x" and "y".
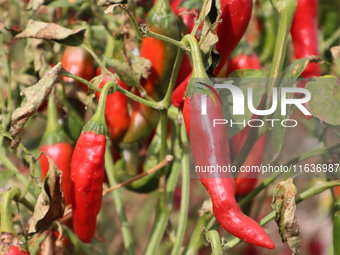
{"x": 235, "y": 19}
{"x": 210, "y": 147}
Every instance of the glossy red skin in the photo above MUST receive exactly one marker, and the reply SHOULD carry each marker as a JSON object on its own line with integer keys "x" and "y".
{"x": 304, "y": 31}
{"x": 87, "y": 173}
{"x": 236, "y": 16}
{"x": 243, "y": 61}
{"x": 15, "y": 250}
{"x": 61, "y": 154}
{"x": 210, "y": 147}
{"x": 78, "y": 61}
{"x": 245, "y": 182}
{"x": 116, "y": 111}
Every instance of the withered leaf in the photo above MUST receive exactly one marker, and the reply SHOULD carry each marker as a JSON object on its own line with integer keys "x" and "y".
{"x": 284, "y": 205}
{"x": 131, "y": 74}
{"x": 53, "y": 32}
{"x": 35, "y": 96}
{"x": 50, "y": 205}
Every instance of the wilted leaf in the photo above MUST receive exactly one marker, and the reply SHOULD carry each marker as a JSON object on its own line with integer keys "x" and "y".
{"x": 284, "y": 206}
{"x": 50, "y": 205}
{"x": 130, "y": 74}
{"x": 325, "y": 99}
{"x": 53, "y": 32}
{"x": 35, "y": 96}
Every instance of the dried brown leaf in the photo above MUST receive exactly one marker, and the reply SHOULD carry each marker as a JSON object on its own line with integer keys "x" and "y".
{"x": 50, "y": 205}
{"x": 35, "y": 96}
{"x": 53, "y": 32}
{"x": 285, "y": 206}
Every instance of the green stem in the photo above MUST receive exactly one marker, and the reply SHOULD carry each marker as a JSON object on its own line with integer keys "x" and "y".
{"x": 119, "y": 204}
{"x": 26, "y": 203}
{"x": 164, "y": 38}
{"x": 98, "y": 122}
{"x": 166, "y": 102}
{"x": 132, "y": 21}
{"x": 110, "y": 42}
{"x": 197, "y": 240}
{"x": 183, "y": 214}
{"x": 30, "y": 179}
{"x": 200, "y": 18}
{"x": 214, "y": 238}
{"x": 269, "y": 31}
{"x": 318, "y": 188}
{"x": 198, "y": 67}
{"x": 6, "y": 209}
{"x": 89, "y": 84}
{"x": 155, "y": 105}
{"x": 286, "y": 9}
{"x": 163, "y": 152}
{"x": 53, "y": 133}
{"x": 164, "y": 209}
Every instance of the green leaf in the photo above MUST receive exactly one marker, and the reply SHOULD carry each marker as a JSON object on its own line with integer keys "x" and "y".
{"x": 53, "y": 32}
{"x": 325, "y": 100}
{"x": 292, "y": 72}
{"x": 130, "y": 74}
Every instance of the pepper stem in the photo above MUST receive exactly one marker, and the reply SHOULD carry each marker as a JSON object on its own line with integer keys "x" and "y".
{"x": 98, "y": 123}
{"x": 52, "y": 113}
{"x": 198, "y": 67}
{"x": 6, "y": 209}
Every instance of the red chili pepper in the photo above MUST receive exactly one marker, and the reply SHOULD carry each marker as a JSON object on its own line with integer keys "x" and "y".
{"x": 15, "y": 250}
{"x": 210, "y": 147}
{"x": 87, "y": 172}
{"x": 78, "y": 61}
{"x": 116, "y": 110}
{"x": 245, "y": 181}
{"x": 162, "y": 20}
{"x": 58, "y": 147}
{"x": 235, "y": 19}
{"x": 243, "y": 61}
{"x": 304, "y": 31}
